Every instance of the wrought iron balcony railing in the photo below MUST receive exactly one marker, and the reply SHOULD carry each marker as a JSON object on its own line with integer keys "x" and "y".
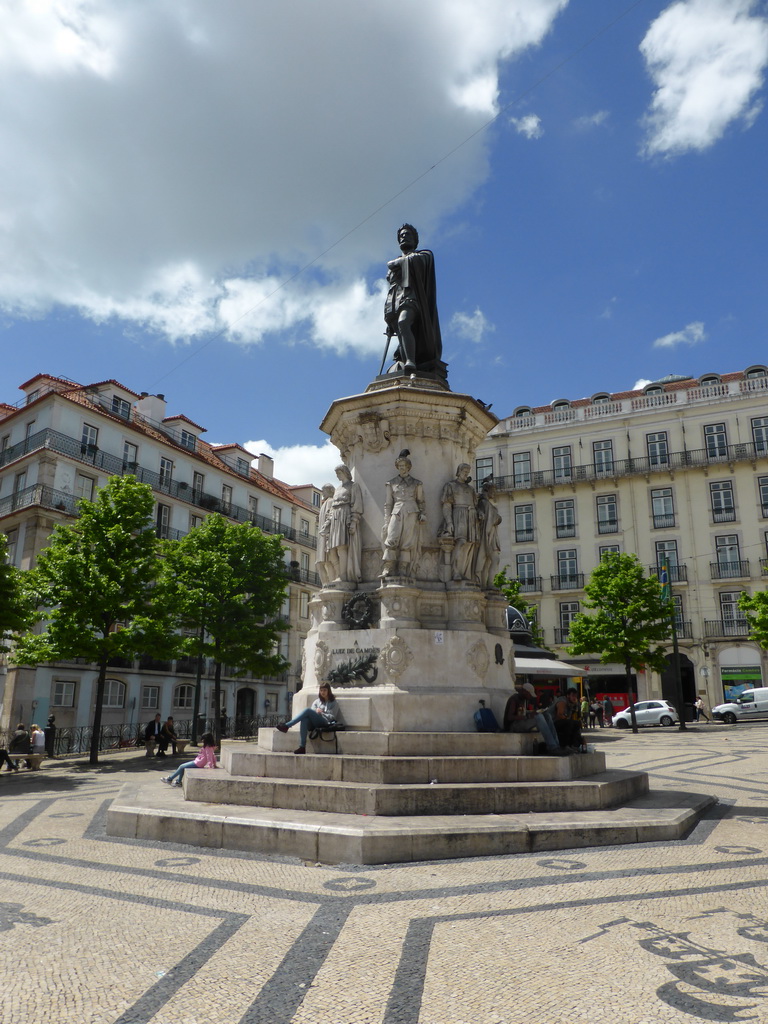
{"x": 726, "y": 627}
{"x": 640, "y": 466}
{"x": 571, "y": 581}
{"x": 728, "y": 570}
{"x": 63, "y": 444}
{"x": 677, "y": 573}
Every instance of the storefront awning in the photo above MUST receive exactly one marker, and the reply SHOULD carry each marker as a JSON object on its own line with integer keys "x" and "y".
{"x": 544, "y": 667}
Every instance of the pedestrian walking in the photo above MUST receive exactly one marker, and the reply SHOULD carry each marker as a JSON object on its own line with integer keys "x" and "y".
{"x": 701, "y": 710}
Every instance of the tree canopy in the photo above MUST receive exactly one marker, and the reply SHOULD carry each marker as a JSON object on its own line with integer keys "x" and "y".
{"x": 226, "y": 583}
{"x": 755, "y": 608}
{"x": 15, "y": 611}
{"x": 627, "y": 617}
{"x": 94, "y": 588}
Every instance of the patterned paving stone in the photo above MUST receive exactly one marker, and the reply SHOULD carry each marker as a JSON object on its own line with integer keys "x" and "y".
{"x": 98, "y": 930}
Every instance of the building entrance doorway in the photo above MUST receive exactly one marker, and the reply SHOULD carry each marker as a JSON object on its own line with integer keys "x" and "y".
{"x": 246, "y": 704}
{"x": 687, "y": 678}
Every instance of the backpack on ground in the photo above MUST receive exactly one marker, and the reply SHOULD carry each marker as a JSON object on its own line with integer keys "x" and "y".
{"x": 485, "y": 720}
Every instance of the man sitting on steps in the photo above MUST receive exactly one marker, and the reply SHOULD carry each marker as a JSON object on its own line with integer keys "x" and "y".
{"x": 520, "y": 715}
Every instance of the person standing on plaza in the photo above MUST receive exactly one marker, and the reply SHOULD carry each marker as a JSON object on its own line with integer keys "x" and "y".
{"x": 608, "y": 710}
{"x": 206, "y": 758}
{"x": 38, "y": 739}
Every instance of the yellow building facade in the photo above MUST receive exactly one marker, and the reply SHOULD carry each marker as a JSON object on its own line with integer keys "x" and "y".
{"x": 677, "y": 471}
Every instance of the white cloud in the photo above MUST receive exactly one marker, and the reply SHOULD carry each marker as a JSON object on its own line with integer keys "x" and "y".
{"x": 691, "y": 334}
{"x": 171, "y": 163}
{"x": 707, "y": 59}
{"x": 300, "y": 463}
{"x": 472, "y": 326}
{"x": 607, "y": 312}
{"x": 529, "y": 126}
{"x": 589, "y": 121}
{"x": 640, "y": 384}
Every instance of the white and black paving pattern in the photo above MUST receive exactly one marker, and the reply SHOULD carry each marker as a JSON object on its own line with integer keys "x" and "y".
{"x": 100, "y": 930}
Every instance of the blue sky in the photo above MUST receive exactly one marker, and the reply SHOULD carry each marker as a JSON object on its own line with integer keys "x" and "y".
{"x": 197, "y": 199}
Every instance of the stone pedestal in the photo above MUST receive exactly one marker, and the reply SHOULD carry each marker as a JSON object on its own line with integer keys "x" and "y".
{"x": 437, "y": 646}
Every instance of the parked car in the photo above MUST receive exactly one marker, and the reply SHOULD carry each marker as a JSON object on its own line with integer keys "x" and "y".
{"x": 751, "y": 704}
{"x": 647, "y": 712}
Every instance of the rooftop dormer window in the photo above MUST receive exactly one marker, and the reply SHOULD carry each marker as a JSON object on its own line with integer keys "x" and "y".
{"x": 600, "y": 398}
{"x": 654, "y": 389}
{"x": 120, "y": 407}
{"x": 188, "y": 440}
{"x": 755, "y": 371}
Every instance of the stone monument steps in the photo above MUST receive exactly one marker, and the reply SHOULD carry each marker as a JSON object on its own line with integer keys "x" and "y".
{"x": 251, "y": 760}
{"x": 153, "y": 813}
{"x": 404, "y": 744}
{"x": 599, "y": 791}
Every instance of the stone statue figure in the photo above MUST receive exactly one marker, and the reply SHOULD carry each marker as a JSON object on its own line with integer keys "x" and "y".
{"x": 488, "y": 548}
{"x": 460, "y": 521}
{"x": 404, "y": 514}
{"x": 342, "y": 553}
{"x": 323, "y": 526}
{"x": 410, "y": 310}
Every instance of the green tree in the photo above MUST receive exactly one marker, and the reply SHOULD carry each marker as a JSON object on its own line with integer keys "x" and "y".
{"x": 510, "y": 588}
{"x": 227, "y": 582}
{"x": 629, "y": 618}
{"x": 94, "y": 588}
{"x": 15, "y": 611}
{"x": 755, "y": 609}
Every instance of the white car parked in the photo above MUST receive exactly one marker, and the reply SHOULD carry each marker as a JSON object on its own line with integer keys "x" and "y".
{"x": 647, "y": 712}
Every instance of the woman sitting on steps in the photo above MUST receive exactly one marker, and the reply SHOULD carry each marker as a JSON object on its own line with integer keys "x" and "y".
{"x": 324, "y": 711}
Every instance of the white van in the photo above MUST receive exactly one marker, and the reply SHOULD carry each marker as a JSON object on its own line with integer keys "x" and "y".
{"x": 751, "y": 704}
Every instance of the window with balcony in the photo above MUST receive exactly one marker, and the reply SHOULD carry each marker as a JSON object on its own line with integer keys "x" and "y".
{"x": 29, "y": 430}
{"x": 150, "y": 698}
{"x": 304, "y": 605}
{"x": 120, "y": 407}
{"x": 277, "y": 515}
{"x": 525, "y": 565}
{"x": 63, "y": 694}
{"x": 602, "y": 454}
{"x": 304, "y": 562}
{"x": 607, "y": 513}
{"x": 523, "y": 523}
{"x": 762, "y": 486}
{"x": 84, "y": 486}
{"x": 760, "y": 433}
{"x": 12, "y": 545}
{"x": 732, "y": 621}
{"x": 114, "y": 694}
{"x": 89, "y": 439}
{"x": 304, "y": 528}
{"x": 198, "y": 482}
{"x": 188, "y": 440}
{"x": 715, "y": 441}
{"x": 166, "y": 472}
{"x": 163, "y": 521}
{"x": 483, "y": 469}
{"x": 568, "y": 575}
{"x": 729, "y": 564}
{"x": 183, "y": 697}
{"x": 666, "y": 553}
{"x": 721, "y": 502}
{"x": 521, "y": 469}
{"x": 657, "y": 447}
{"x": 608, "y": 549}
{"x": 130, "y": 457}
{"x": 194, "y": 521}
{"x": 565, "y": 518}
{"x": 568, "y": 610}
{"x": 561, "y": 462}
{"x": 226, "y": 499}
{"x": 20, "y": 482}
{"x": 663, "y": 508}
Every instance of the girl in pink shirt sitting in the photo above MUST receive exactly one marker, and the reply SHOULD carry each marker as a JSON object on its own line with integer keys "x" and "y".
{"x": 205, "y": 759}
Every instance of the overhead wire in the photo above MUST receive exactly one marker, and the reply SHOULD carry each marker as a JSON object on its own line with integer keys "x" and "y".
{"x": 409, "y": 185}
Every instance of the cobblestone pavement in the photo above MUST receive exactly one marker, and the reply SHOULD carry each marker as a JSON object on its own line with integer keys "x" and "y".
{"x": 95, "y": 930}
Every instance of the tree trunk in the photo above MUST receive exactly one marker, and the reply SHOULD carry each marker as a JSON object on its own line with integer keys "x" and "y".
{"x": 94, "y": 758}
{"x": 217, "y": 701}
{"x": 630, "y": 694}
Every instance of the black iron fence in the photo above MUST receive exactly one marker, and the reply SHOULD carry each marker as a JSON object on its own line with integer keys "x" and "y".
{"x": 77, "y": 739}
